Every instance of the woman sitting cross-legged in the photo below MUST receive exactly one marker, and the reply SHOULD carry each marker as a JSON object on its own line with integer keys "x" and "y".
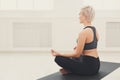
{"x": 84, "y": 60}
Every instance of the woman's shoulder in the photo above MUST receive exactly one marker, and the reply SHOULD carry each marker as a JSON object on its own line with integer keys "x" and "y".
{"x": 86, "y": 31}
{"x": 83, "y": 33}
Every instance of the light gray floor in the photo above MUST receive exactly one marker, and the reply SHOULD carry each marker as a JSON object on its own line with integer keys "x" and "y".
{"x": 31, "y": 66}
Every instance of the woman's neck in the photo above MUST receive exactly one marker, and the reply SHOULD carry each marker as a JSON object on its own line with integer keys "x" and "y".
{"x": 87, "y": 24}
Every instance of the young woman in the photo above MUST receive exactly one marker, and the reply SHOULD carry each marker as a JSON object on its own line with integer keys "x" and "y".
{"x": 84, "y": 60}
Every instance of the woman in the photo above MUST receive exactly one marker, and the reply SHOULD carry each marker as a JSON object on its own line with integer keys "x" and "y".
{"x": 84, "y": 60}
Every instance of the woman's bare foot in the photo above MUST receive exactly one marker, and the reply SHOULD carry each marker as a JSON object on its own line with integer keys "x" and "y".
{"x": 63, "y": 71}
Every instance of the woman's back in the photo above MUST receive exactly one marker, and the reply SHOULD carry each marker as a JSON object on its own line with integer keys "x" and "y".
{"x": 90, "y": 47}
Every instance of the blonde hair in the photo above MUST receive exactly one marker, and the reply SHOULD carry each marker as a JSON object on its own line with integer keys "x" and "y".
{"x": 89, "y": 12}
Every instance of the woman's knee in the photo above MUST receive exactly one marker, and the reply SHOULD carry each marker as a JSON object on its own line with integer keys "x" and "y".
{"x": 58, "y": 59}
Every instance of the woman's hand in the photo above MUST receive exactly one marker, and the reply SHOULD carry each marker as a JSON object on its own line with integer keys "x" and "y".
{"x": 55, "y": 53}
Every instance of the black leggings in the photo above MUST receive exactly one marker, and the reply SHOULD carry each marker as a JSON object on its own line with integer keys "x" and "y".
{"x": 85, "y": 65}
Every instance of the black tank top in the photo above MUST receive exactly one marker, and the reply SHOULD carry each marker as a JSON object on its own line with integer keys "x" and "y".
{"x": 93, "y": 44}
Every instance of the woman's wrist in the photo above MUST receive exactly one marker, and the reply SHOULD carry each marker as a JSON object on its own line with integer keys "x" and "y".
{"x": 59, "y": 54}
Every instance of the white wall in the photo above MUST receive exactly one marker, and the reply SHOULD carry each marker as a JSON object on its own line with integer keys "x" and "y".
{"x": 26, "y": 4}
{"x": 103, "y": 4}
{"x": 65, "y": 23}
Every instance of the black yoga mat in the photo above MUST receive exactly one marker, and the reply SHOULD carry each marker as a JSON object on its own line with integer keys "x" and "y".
{"x": 105, "y": 69}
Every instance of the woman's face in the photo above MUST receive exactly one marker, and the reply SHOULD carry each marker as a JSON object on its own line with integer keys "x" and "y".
{"x": 82, "y": 17}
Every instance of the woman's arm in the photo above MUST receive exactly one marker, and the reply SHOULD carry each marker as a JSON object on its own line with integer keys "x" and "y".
{"x": 79, "y": 48}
